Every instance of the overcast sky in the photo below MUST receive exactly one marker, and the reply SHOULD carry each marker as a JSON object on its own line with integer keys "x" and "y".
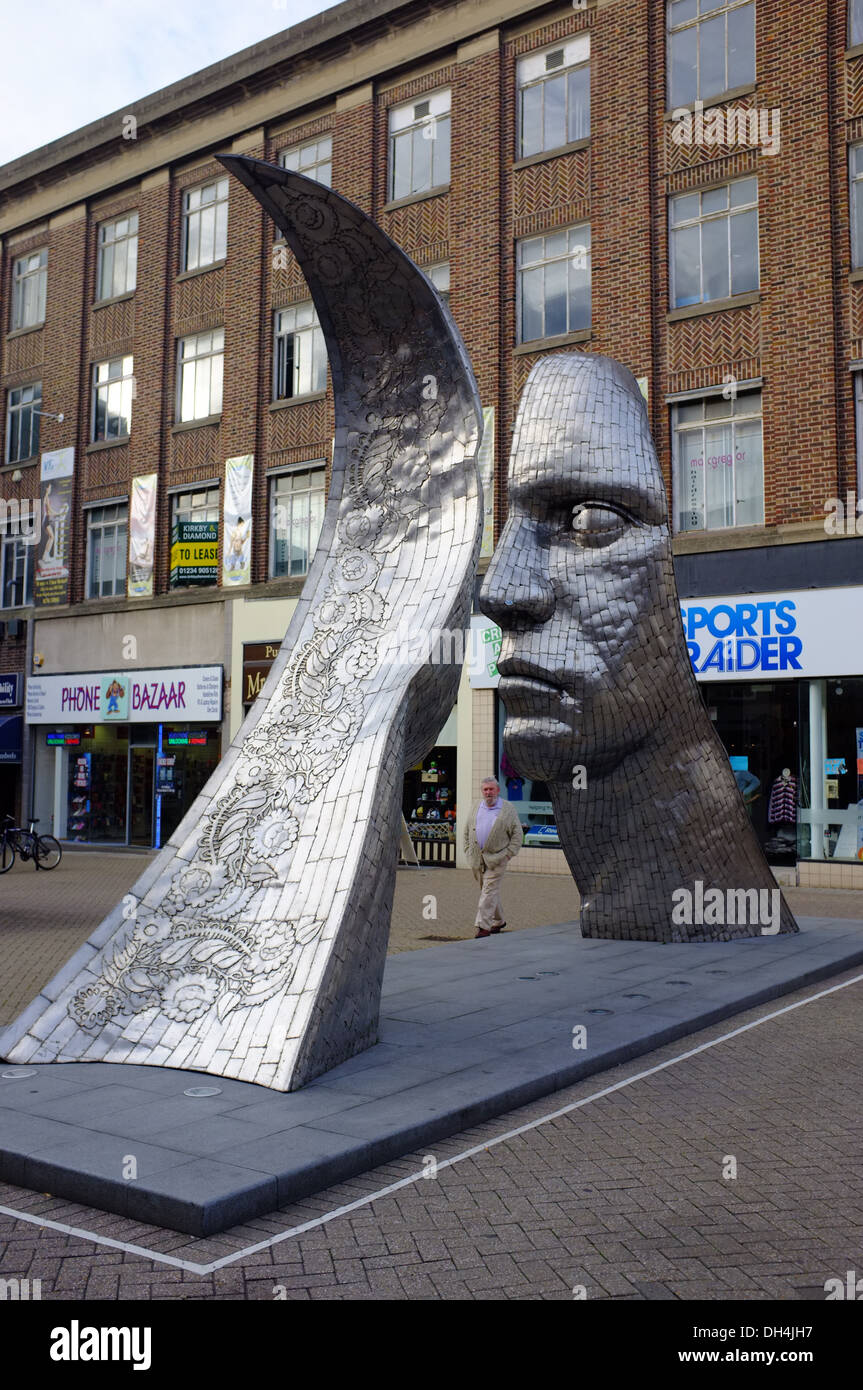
{"x": 68, "y": 62}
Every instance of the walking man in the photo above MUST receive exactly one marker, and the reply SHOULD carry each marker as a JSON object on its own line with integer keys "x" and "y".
{"x": 492, "y": 836}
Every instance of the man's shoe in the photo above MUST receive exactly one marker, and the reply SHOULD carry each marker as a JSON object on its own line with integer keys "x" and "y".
{"x": 495, "y": 930}
{"x": 480, "y": 932}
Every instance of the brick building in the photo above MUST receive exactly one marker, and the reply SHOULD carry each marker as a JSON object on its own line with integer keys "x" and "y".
{"x": 676, "y": 185}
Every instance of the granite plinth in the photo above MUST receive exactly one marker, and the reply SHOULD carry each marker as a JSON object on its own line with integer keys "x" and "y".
{"x": 468, "y": 1032}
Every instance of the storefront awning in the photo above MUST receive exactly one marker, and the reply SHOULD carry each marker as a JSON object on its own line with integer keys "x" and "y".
{"x": 10, "y": 738}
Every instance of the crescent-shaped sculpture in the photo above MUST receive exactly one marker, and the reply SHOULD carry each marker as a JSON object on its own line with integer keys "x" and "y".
{"x": 254, "y": 945}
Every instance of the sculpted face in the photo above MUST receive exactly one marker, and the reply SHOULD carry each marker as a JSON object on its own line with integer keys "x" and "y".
{"x": 581, "y": 582}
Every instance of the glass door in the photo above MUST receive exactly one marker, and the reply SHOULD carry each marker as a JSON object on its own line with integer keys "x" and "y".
{"x": 142, "y": 762}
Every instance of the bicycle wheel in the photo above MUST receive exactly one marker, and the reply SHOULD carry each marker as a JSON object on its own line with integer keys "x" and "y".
{"x": 7, "y": 856}
{"x": 48, "y": 852}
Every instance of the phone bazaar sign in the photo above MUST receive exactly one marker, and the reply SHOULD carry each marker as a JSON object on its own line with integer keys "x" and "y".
{"x": 174, "y": 694}
{"x": 810, "y": 632}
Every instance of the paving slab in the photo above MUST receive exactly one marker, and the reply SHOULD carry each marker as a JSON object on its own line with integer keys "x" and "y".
{"x": 468, "y": 1031}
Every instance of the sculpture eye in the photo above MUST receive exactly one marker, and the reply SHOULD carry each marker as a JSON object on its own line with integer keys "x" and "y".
{"x": 595, "y": 523}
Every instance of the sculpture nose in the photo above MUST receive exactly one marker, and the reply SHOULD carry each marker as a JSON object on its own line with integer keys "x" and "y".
{"x": 515, "y": 590}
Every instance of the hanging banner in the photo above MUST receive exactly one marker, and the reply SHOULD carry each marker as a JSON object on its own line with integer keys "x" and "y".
{"x": 237, "y": 521}
{"x": 485, "y": 466}
{"x": 51, "y": 580}
{"x": 142, "y": 536}
{"x": 860, "y": 793}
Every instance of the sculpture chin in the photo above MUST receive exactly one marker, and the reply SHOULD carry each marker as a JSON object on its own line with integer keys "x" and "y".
{"x": 547, "y": 750}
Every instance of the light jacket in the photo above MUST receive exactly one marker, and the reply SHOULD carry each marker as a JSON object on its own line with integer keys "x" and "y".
{"x": 503, "y": 843}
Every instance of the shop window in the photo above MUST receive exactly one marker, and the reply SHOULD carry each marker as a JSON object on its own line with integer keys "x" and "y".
{"x": 118, "y": 256}
{"x": 554, "y": 283}
{"x": 554, "y": 97}
{"x": 855, "y": 22}
{"x": 299, "y": 353}
{"x": 713, "y": 242}
{"x": 200, "y": 375}
{"x": 831, "y": 769}
{"x": 113, "y": 391}
{"x": 23, "y": 404}
{"x": 439, "y": 276}
{"x": 314, "y": 158}
{"x": 711, "y": 48}
{"x": 429, "y": 806}
{"x": 205, "y": 224}
{"x": 297, "y": 504}
{"x": 107, "y": 545}
{"x": 17, "y": 556}
{"x": 531, "y": 799}
{"x": 29, "y": 286}
{"x": 718, "y": 462}
{"x": 419, "y": 145}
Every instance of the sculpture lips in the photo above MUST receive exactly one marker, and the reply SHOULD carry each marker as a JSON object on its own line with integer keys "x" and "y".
{"x": 527, "y": 673}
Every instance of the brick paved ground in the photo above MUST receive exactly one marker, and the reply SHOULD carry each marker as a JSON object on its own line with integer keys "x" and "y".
{"x": 624, "y": 1196}
{"x": 45, "y": 917}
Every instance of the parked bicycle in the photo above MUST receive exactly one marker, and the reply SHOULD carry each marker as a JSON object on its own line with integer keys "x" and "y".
{"x": 44, "y": 850}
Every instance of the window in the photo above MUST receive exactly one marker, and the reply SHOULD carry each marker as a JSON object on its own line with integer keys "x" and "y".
{"x": 554, "y": 97}
{"x": 29, "y": 281}
{"x": 714, "y": 243}
{"x": 200, "y": 376}
{"x": 711, "y": 48}
{"x": 554, "y": 283}
{"x": 205, "y": 224}
{"x": 858, "y": 420}
{"x": 300, "y": 357}
{"x": 22, "y": 422}
{"x": 107, "y": 545}
{"x": 113, "y": 389}
{"x": 855, "y": 22}
{"x": 296, "y": 517}
{"x": 856, "y": 159}
{"x": 202, "y": 504}
{"x": 17, "y": 556}
{"x": 314, "y": 159}
{"x": 718, "y": 462}
{"x": 419, "y": 145}
{"x": 439, "y": 276}
{"x": 118, "y": 257}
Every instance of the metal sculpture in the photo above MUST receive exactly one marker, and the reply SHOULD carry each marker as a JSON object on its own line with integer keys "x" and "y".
{"x": 601, "y": 700}
{"x": 254, "y": 945}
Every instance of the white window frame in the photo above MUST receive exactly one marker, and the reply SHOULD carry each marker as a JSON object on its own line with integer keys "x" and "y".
{"x": 313, "y": 468}
{"x": 534, "y": 72}
{"x": 309, "y": 157}
{"x": 740, "y": 409}
{"x": 439, "y": 276}
{"x": 425, "y": 118}
{"x": 855, "y": 23}
{"x": 308, "y": 372}
{"x": 705, "y": 11}
{"x": 29, "y": 290}
{"x": 21, "y": 407}
{"x": 117, "y": 261}
{"x": 98, "y": 521}
{"x": 114, "y": 382}
{"x": 207, "y": 377}
{"x": 205, "y": 209}
{"x": 855, "y": 186}
{"x": 578, "y": 260}
{"x": 196, "y": 503}
{"x": 22, "y": 551}
{"x": 728, "y": 213}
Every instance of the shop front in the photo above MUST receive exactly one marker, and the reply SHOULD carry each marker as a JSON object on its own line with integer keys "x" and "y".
{"x": 119, "y": 756}
{"x": 11, "y": 733}
{"x": 782, "y": 677}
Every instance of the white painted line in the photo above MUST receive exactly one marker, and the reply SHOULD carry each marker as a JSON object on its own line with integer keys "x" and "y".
{"x": 316, "y": 1221}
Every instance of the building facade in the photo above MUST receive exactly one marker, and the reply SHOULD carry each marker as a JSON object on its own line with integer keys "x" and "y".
{"x": 676, "y": 185}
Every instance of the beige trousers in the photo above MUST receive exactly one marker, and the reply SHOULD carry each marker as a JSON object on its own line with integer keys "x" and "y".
{"x": 489, "y": 912}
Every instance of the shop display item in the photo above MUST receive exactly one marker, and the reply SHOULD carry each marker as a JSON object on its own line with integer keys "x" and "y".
{"x": 256, "y": 940}
{"x": 596, "y": 680}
